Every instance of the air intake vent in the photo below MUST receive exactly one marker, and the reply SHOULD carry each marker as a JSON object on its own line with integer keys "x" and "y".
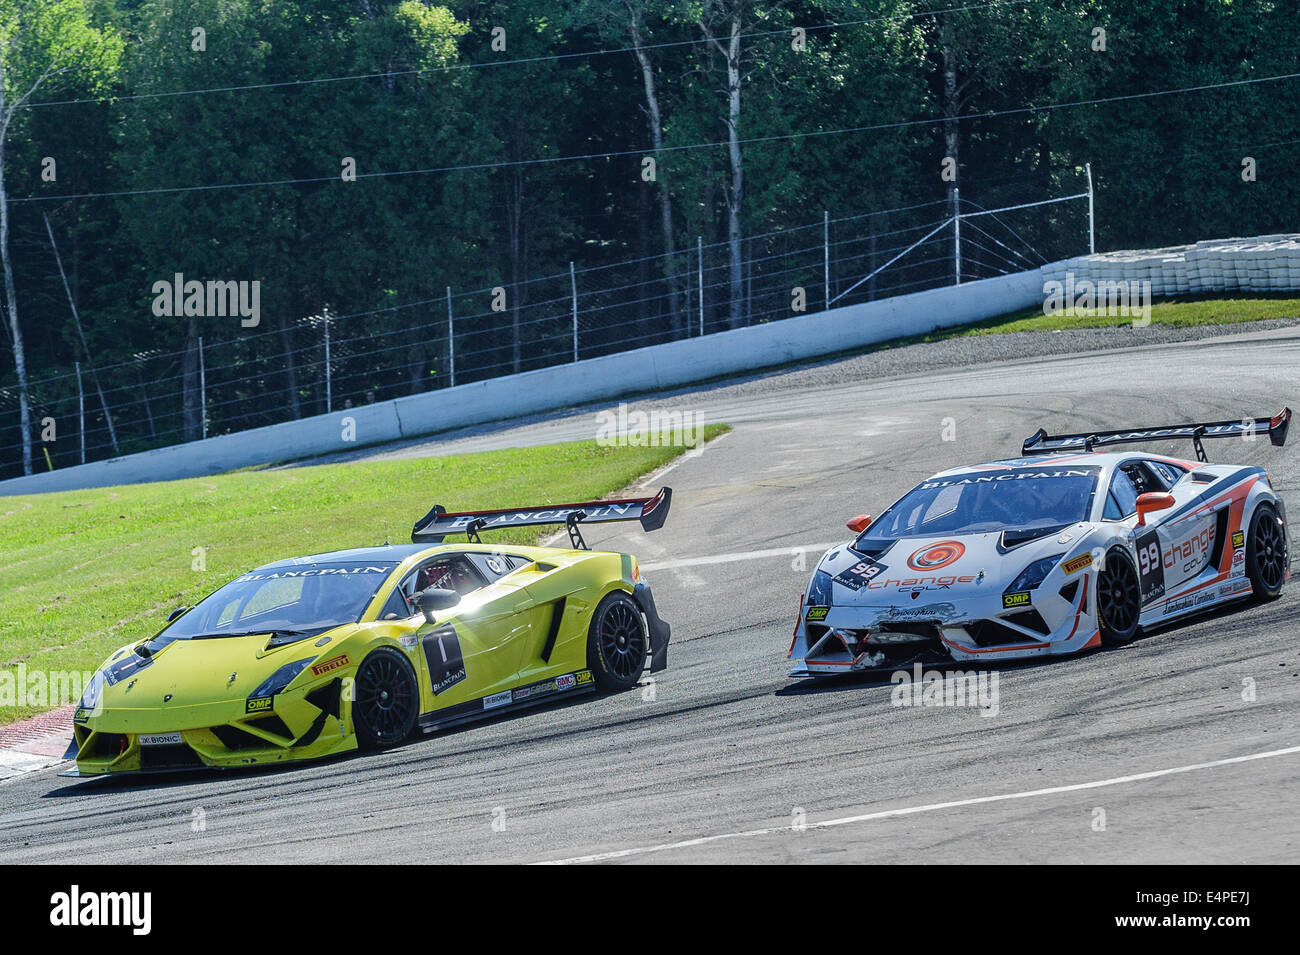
{"x": 327, "y": 698}
{"x": 1070, "y": 591}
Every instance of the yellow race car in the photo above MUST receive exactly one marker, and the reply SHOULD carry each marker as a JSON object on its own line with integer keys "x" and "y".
{"x": 356, "y": 649}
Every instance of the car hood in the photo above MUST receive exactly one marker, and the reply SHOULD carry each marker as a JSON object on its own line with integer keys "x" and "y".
{"x": 216, "y": 670}
{"x": 940, "y": 567}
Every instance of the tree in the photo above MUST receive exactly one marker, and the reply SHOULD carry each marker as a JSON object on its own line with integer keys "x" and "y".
{"x": 39, "y": 41}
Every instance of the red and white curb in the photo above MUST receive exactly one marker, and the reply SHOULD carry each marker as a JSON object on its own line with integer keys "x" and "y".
{"x": 35, "y": 743}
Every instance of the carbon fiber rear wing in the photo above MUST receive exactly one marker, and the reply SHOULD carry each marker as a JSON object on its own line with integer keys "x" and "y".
{"x": 1275, "y": 427}
{"x": 434, "y": 527}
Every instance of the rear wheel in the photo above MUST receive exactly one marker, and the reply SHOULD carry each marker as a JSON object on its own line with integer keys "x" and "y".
{"x": 1266, "y": 553}
{"x": 386, "y": 701}
{"x": 617, "y": 643}
{"x": 1119, "y": 599}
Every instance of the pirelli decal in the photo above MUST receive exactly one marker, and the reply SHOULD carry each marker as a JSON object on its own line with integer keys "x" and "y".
{"x": 330, "y": 665}
{"x": 1076, "y": 564}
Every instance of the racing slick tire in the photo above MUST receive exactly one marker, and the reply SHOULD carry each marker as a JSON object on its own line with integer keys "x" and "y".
{"x": 1266, "y": 554}
{"x": 617, "y": 643}
{"x": 1119, "y": 599}
{"x": 387, "y": 699}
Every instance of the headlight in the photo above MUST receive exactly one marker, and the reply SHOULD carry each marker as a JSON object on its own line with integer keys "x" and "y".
{"x": 819, "y": 591}
{"x": 93, "y": 693}
{"x": 281, "y": 678}
{"x": 1033, "y": 575}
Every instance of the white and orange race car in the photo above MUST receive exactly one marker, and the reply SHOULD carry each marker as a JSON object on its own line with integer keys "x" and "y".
{"x": 1063, "y": 549}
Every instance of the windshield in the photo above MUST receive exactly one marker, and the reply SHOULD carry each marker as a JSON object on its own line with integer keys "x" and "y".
{"x": 297, "y": 600}
{"x": 987, "y": 501}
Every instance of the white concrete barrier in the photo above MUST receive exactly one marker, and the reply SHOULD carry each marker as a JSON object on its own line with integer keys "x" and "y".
{"x": 644, "y": 370}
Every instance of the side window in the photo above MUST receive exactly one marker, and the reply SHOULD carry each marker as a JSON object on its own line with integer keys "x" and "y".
{"x": 452, "y": 572}
{"x": 1167, "y": 473}
{"x": 397, "y": 607}
{"x": 1122, "y": 499}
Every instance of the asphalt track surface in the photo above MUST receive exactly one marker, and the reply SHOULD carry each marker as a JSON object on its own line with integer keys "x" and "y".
{"x": 724, "y": 757}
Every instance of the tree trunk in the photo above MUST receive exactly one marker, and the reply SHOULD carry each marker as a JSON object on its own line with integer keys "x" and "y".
{"x": 191, "y": 400}
{"x": 951, "y": 108}
{"x": 20, "y": 356}
{"x": 676, "y": 307}
{"x": 736, "y": 193}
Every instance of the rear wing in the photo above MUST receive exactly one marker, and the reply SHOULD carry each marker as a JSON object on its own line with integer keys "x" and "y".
{"x": 434, "y": 527}
{"x": 1275, "y": 427}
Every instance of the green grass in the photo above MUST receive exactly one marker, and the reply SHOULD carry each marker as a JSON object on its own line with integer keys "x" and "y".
{"x": 86, "y": 571}
{"x": 1177, "y": 313}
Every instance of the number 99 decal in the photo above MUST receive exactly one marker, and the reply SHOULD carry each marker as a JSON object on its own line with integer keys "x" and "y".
{"x": 1151, "y": 569}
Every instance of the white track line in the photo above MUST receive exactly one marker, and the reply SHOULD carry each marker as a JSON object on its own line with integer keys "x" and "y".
{"x": 739, "y": 555}
{"x": 913, "y": 810}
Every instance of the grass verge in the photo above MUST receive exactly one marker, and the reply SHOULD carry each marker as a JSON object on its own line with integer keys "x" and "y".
{"x": 86, "y": 571}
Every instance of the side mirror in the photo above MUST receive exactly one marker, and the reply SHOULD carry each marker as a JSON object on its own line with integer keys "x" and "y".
{"x": 859, "y": 523}
{"x": 1152, "y": 501}
{"x": 176, "y": 613}
{"x": 434, "y": 599}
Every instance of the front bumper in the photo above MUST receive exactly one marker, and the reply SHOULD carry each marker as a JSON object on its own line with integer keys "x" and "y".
{"x": 307, "y": 723}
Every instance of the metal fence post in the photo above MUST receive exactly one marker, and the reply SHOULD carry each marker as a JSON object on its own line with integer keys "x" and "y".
{"x": 203, "y": 388}
{"x": 573, "y": 287}
{"x": 826, "y": 257}
{"x": 956, "y": 235}
{"x": 329, "y": 382}
{"x": 1092, "y": 234}
{"x": 451, "y": 340}
{"x": 81, "y": 414}
{"x": 700, "y": 265}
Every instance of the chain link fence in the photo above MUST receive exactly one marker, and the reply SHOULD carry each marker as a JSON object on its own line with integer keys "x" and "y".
{"x": 328, "y": 362}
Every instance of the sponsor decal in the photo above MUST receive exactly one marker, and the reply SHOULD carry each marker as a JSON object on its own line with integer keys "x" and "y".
{"x": 1238, "y": 561}
{"x": 258, "y": 704}
{"x": 497, "y": 699}
{"x": 860, "y": 573}
{"x": 817, "y": 613}
{"x": 410, "y": 640}
{"x": 1193, "y": 552}
{"x": 1076, "y": 564}
{"x": 565, "y": 682}
{"x": 1020, "y": 599}
{"x": 159, "y": 739}
{"x": 1238, "y": 539}
{"x": 317, "y": 572}
{"x": 446, "y": 661}
{"x": 935, "y": 556}
{"x": 328, "y": 666}
{"x": 584, "y": 677}
{"x": 1151, "y": 570}
{"x": 1011, "y": 474}
{"x": 82, "y": 715}
{"x": 128, "y": 667}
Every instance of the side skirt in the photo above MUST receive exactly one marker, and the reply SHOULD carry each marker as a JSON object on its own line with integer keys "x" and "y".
{"x": 565, "y": 686}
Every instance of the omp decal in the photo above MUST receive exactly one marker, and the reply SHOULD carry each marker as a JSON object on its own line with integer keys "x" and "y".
{"x": 445, "y": 659}
{"x": 1238, "y": 539}
{"x": 584, "y": 677}
{"x": 1015, "y": 600}
{"x": 935, "y": 556}
{"x": 1076, "y": 564}
{"x": 258, "y": 704}
{"x": 326, "y": 666}
{"x": 859, "y": 574}
{"x": 497, "y": 699}
{"x": 817, "y": 613}
{"x": 1151, "y": 569}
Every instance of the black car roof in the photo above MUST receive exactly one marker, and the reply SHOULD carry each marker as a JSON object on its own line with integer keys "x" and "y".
{"x": 386, "y": 553}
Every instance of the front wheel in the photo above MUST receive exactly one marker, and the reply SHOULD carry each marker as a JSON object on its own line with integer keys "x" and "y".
{"x": 386, "y": 701}
{"x": 1119, "y": 599}
{"x": 617, "y": 643}
{"x": 1266, "y": 553}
